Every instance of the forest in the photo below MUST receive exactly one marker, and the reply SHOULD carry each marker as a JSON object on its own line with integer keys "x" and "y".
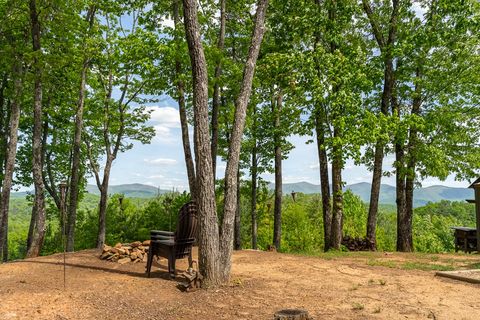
{"x": 362, "y": 80}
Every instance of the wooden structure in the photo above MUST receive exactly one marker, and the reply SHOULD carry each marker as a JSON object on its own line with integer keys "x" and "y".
{"x": 465, "y": 239}
{"x": 178, "y": 244}
{"x": 476, "y": 187}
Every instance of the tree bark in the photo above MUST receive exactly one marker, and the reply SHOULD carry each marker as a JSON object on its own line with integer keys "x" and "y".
{"x": 277, "y": 210}
{"x": 238, "y": 232}
{"x": 412, "y": 160}
{"x": 187, "y": 151}
{"x": 404, "y": 232}
{"x": 102, "y": 214}
{"x": 216, "y": 87}
{"x": 10, "y": 160}
{"x": 337, "y": 210}
{"x": 226, "y": 237}
{"x": 77, "y": 143}
{"x": 209, "y": 260}
{"x": 37, "y": 234}
{"x": 324, "y": 181}
{"x": 387, "y": 50}
{"x": 253, "y": 173}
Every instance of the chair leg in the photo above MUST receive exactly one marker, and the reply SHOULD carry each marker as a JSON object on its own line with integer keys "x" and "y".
{"x": 149, "y": 261}
{"x": 190, "y": 260}
{"x": 171, "y": 264}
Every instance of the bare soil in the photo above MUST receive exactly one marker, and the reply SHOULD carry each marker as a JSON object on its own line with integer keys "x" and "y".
{"x": 348, "y": 286}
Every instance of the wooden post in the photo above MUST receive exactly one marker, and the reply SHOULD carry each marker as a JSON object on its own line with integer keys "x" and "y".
{"x": 476, "y": 187}
{"x": 291, "y": 314}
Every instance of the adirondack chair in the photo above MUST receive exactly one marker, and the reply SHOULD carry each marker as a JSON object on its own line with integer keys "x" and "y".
{"x": 175, "y": 245}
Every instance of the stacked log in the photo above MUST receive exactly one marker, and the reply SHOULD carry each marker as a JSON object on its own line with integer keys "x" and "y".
{"x": 357, "y": 244}
{"x": 126, "y": 252}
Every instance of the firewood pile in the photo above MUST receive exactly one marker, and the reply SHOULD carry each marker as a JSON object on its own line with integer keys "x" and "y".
{"x": 126, "y": 252}
{"x": 357, "y": 244}
{"x": 193, "y": 279}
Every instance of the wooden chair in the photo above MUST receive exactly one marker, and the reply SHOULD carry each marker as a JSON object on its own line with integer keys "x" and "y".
{"x": 178, "y": 244}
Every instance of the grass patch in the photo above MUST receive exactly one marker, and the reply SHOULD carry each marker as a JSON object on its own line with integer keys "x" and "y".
{"x": 475, "y": 265}
{"x": 415, "y": 265}
{"x": 382, "y": 263}
{"x": 357, "y": 306}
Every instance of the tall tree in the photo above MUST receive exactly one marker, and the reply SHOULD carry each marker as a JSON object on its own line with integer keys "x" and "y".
{"x": 214, "y": 249}
{"x": 77, "y": 141}
{"x": 386, "y": 46}
{"x": 208, "y": 241}
{"x": 10, "y": 157}
{"x": 111, "y": 124}
{"x": 277, "y": 144}
{"x": 182, "y": 109}
{"x": 37, "y": 225}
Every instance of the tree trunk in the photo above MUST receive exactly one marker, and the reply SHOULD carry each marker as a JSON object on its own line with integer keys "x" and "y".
{"x": 102, "y": 214}
{"x": 375, "y": 195}
{"x": 337, "y": 216}
{"x": 77, "y": 144}
{"x": 412, "y": 160}
{"x": 324, "y": 181}
{"x": 10, "y": 161}
{"x": 216, "y": 87}
{"x": 226, "y": 237}
{"x": 238, "y": 225}
{"x": 404, "y": 232}
{"x": 253, "y": 172}
{"x": 277, "y": 210}
{"x": 187, "y": 151}
{"x": 38, "y": 231}
{"x": 209, "y": 260}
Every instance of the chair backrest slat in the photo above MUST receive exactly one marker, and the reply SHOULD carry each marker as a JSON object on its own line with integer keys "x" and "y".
{"x": 186, "y": 228}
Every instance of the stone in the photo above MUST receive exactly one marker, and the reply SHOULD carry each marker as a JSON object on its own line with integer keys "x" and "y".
{"x": 133, "y": 255}
{"x": 105, "y": 255}
{"x": 118, "y": 245}
{"x": 140, "y": 255}
{"x": 124, "y": 260}
{"x": 136, "y": 244}
{"x": 146, "y": 243}
{"x": 121, "y": 251}
{"x": 106, "y": 248}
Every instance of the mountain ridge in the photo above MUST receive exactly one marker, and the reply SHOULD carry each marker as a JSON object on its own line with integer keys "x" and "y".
{"x": 422, "y": 196}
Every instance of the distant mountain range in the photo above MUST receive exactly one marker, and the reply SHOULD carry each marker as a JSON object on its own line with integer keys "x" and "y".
{"x": 134, "y": 190}
{"x": 387, "y": 193}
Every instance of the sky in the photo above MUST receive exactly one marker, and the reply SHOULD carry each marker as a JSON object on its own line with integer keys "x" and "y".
{"x": 161, "y": 163}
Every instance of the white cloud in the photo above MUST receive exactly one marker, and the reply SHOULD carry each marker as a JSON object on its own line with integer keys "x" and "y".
{"x": 164, "y": 119}
{"x": 161, "y": 161}
{"x": 164, "y": 116}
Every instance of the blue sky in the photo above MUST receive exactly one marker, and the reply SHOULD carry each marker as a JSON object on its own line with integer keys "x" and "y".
{"x": 162, "y": 164}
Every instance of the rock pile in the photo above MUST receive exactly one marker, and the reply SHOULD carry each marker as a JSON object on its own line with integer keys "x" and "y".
{"x": 357, "y": 244}
{"x": 127, "y": 252}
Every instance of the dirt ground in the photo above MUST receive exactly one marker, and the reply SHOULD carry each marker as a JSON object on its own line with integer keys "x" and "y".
{"x": 352, "y": 286}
